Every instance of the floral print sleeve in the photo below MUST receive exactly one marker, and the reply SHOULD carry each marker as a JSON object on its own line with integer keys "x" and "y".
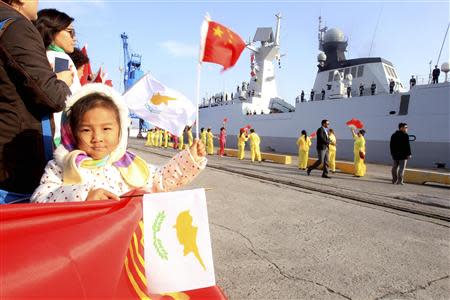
{"x": 51, "y": 188}
{"x": 180, "y": 170}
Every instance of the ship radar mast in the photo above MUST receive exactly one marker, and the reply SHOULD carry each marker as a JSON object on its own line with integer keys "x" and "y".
{"x": 321, "y": 33}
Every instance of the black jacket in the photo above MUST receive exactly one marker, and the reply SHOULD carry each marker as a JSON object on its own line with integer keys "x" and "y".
{"x": 400, "y": 148}
{"x": 29, "y": 90}
{"x": 322, "y": 139}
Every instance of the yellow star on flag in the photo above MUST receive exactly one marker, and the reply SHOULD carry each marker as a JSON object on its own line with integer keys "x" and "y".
{"x": 218, "y": 32}
{"x": 158, "y": 99}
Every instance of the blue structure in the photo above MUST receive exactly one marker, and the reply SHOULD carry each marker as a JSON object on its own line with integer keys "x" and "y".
{"x": 132, "y": 73}
{"x": 131, "y": 63}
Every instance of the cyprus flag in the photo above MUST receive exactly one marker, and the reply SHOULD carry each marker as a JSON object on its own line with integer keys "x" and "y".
{"x": 159, "y": 105}
{"x": 178, "y": 255}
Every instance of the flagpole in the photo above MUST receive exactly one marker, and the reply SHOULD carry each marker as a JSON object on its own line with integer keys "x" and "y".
{"x": 197, "y": 100}
{"x": 203, "y": 33}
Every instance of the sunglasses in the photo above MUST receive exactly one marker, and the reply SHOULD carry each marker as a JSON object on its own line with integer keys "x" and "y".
{"x": 71, "y": 31}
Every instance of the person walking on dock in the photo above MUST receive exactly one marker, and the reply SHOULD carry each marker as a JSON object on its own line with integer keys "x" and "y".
{"x": 359, "y": 152}
{"x": 332, "y": 150}
{"x": 254, "y": 145}
{"x": 400, "y": 151}
{"x": 303, "y": 143}
{"x": 322, "y": 149}
{"x": 241, "y": 143}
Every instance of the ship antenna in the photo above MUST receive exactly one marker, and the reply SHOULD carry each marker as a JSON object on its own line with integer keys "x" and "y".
{"x": 321, "y": 33}
{"x": 443, "y": 42}
{"x": 375, "y": 31}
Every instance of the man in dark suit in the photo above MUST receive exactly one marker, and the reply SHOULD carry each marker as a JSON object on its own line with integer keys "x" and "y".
{"x": 436, "y": 73}
{"x": 322, "y": 149}
{"x": 400, "y": 151}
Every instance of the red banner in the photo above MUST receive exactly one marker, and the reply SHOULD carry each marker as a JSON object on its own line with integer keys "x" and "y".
{"x": 79, "y": 250}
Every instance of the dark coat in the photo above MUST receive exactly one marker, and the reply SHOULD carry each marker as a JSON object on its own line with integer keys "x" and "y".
{"x": 436, "y": 72}
{"x": 400, "y": 148}
{"x": 322, "y": 139}
{"x": 28, "y": 90}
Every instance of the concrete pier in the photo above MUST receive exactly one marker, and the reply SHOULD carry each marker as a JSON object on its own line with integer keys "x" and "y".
{"x": 279, "y": 234}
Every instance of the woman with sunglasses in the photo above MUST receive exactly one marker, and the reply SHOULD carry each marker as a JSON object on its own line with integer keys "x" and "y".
{"x": 58, "y": 34}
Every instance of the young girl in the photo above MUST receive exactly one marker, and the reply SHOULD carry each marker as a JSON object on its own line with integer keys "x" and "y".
{"x": 92, "y": 162}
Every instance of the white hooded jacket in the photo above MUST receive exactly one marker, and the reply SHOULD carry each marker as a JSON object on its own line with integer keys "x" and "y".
{"x": 54, "y": 186}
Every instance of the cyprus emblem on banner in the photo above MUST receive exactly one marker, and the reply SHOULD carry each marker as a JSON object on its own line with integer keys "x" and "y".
{"x": 178, "y": 254}
{"x": 159, "y": 105}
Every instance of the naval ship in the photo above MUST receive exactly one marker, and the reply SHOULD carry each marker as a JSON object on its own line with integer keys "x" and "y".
{"x": 343, "y": 89}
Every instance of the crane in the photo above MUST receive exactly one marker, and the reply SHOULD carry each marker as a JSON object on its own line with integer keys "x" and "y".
{"x": 131, "y": 64}
{"x": 132, "y": 73}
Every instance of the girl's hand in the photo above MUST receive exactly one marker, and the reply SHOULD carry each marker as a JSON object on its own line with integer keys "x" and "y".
{"x": 101, "y": 194}
{"x": 197, "y": 150}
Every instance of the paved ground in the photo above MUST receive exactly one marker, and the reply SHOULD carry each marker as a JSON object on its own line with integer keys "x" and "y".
{"x": 272, "y": 240}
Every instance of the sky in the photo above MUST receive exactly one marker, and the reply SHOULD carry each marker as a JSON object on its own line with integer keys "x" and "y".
{"x": 167, "y": 35}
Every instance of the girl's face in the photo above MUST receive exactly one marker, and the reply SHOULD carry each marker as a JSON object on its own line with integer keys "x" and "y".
{"x": 65, "y": 39}
{"x": 98, "y": 133}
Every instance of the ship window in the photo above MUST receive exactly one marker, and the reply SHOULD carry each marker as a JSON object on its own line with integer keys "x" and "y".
{"x": 390, "y": 72}
{"x": 404, "y": 105}
{"x": 330, "y": 76}
{"x": 360, "y": 71}
{"x": 386, "y": 68}
{"x": 346, "y": 71}
{"x": 393, "y": 71}
{"x": 353, "y": 72}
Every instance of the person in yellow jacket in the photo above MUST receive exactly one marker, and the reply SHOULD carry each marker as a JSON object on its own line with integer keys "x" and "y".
{"x": 190, "y": 137}
{"x": 303, "y": 143}
{"x": 181, "y": 141}
{"x": 241, "y": 144}
{"x": 166, "y": 138}
{"x": 149, "y": 138}
{"x": 254, "y": 145}
{"x": 155, "y": 137}
{"x": 209, "y": 142}
{"x": 359, "y": 151}
{"x": 203, "y": 135}
{"x": 161, "y": 135}
{"x": 332, "y": 150}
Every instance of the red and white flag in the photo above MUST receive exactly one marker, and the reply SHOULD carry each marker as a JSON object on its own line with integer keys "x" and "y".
{"x": 79, "y": 250}
{"x": 220, "y": 45}
{"x": 355, "y": 123}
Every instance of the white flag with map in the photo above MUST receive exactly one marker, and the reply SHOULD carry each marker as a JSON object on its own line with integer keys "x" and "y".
{"x": 178, "y": 254}
{"x": 159, "y": 105}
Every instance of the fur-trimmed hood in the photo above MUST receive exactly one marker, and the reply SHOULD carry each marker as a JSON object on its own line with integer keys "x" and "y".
{"x": 68, "y": 143}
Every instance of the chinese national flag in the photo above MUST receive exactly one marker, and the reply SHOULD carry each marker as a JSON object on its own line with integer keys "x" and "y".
{"x": 221, "y": 45}
{"x": 78, "y": 250}
{"x": 87, "y": 71}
